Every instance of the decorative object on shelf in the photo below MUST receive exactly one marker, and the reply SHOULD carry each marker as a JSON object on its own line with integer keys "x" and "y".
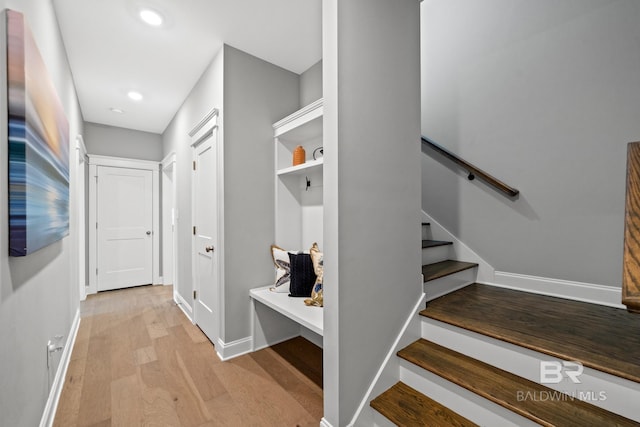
{"x": 299, "y": 155}
{"x": 318, "y": 266}
{"x": 38, "y": 146}
{"x": 315, "y": 154}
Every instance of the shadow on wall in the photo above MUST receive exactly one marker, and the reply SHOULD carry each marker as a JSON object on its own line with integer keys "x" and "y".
{"x": 23, "y": 269}
{"x": 518, "y": 203}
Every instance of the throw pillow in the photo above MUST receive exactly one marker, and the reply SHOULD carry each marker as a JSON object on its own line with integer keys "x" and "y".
{"x": 318, "y": 267}
{"x": 283, "y": 270}
{"x": 302, "y": 275}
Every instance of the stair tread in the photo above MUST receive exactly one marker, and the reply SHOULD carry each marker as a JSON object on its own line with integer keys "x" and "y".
{"x": 433, "y": 243}
{"x": 515, "y": 393}
{"x": 405, "y": 406}
{"x": 600, "y": 337}
{"x": 444, "y": 268}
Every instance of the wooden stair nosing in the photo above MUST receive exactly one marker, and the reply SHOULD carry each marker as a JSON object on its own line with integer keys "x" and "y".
{"x": 514, "y": 393}
{"x": 603, "y": 338}
{"x": 445, "y": 268}
{"x": 434, "y": 243}
{"x": 405, "y": 406}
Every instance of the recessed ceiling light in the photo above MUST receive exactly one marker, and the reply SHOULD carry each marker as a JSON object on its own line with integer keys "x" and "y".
{"x": 116, "y": 110}
{"x": 151, "y": 17}
{"x": 136, "y": 96}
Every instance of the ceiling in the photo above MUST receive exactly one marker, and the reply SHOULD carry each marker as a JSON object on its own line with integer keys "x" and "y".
{"x": 111, "y": 51}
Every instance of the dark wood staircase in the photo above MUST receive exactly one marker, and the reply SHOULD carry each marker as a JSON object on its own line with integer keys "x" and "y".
{"x": 604, "y": 339}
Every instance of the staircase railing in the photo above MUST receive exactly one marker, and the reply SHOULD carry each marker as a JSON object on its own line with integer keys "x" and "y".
{"x": 472, "y": 170}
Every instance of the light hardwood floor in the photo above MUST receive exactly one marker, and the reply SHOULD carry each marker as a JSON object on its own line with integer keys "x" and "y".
{"x": 138, "y": 361}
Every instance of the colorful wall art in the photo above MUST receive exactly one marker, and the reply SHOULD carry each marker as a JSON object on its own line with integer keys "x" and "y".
{"x": 38, "y": 146}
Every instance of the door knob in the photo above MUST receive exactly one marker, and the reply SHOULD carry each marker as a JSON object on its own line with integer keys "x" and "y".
{"x": 208, "y": 248}
{"x": 148, "y": 233}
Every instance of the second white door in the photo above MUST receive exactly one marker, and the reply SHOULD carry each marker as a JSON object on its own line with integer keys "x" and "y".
{"x": 205, "y": 220}
{"x": 124, "y": 227}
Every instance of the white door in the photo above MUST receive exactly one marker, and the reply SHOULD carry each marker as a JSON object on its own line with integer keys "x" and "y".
{"x": 205, "y": 222}
{"x": 124, "y": 227}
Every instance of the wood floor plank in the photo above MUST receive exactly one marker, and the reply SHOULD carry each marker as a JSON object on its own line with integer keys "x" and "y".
{"x": 69, "y": 404}
{"x": 444, "y": 268}
{"x": 603, "y": 338}
{"x": 144, "y": 360}
{"x": 126, "y": 402}
{"x": 407, "y": 407}
{"x": 94, "y": 406}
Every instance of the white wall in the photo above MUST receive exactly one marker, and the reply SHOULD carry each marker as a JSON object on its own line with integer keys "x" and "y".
{"x": 371, "y": 189}
{"x": 37, "y": 297}
{"x": 119, "y": 142}
{"x": 545, "y": 96}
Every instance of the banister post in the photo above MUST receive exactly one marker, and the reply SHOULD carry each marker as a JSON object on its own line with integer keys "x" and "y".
{"x": 631, "y": 256}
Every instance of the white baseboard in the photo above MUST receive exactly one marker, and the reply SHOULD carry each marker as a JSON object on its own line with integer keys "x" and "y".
{"x": 325, "y": 423}
{"x": 383, "y": 376}
{"x": 461, "y": 250}
{"x": 227, "y": 351}
{"x": 183, "y": 305}
{"x": 577, "y": 291}
{"x": 51, "y": 406}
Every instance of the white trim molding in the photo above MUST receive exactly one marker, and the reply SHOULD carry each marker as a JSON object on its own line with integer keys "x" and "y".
{"x": 51, "y": 406}
{"x": 325, "y": 423}
{"x": 577, "y": 291}
{"x": 120, "y": 162}
{"x": 227, "y": 351}
{"x": 183, "y": 305}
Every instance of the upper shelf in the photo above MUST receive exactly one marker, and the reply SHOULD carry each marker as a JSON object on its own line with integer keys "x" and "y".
{"x": 306, "y": 167}
{"x": 302, "y": 125}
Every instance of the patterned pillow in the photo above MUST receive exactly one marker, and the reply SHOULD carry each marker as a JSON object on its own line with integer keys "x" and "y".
{"x": 283, "y": 269}
{"x": 302, "y": 275}
{"x": 318, "y": 266}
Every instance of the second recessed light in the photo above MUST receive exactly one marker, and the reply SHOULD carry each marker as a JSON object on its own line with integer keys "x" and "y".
{"x": 151, "y": 17}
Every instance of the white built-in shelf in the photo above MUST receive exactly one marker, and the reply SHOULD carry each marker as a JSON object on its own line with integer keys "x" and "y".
{"x": 294, "y": 308}
{"x": 301, "y": 125}
{"x": 306, "y": 167}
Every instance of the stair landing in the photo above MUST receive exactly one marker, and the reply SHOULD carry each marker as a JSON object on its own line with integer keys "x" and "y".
{"x": 602, "y": 338}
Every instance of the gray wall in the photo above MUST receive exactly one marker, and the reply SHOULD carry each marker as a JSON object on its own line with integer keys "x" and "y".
{"x": 38, "y": 298}
{"x": 119, "y": 142}
{"x": 251, "y": 95}
{"x": 206, "y": 94}
{"x": 371, "y": 190}
{"x": 544, "y": 95}
{"x": 256, "y": 95}
{"x": 311, "y": 84}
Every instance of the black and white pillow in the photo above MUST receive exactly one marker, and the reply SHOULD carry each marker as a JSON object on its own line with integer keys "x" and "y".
{"x": 302, "y": 275}
{"x": 283, "y": 270}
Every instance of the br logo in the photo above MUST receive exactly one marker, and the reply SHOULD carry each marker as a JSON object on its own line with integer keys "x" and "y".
{"x": 552, "y": 372}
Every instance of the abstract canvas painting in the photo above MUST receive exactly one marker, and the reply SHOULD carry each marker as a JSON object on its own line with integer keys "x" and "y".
{"x": 38, "y": 146}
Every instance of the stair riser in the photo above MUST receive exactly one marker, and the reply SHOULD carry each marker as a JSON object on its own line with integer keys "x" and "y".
{"x": 444, "y": 285}
{"x": 471, "y": 406}
{"x": 621, "y": 394}
{"x": 437, "y": 254}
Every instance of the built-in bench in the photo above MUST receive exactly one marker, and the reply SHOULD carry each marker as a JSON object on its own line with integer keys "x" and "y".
{"x": 278, "y": 317}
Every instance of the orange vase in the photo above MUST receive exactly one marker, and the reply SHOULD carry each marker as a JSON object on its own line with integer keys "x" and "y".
{"x": 299, "y": 155}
